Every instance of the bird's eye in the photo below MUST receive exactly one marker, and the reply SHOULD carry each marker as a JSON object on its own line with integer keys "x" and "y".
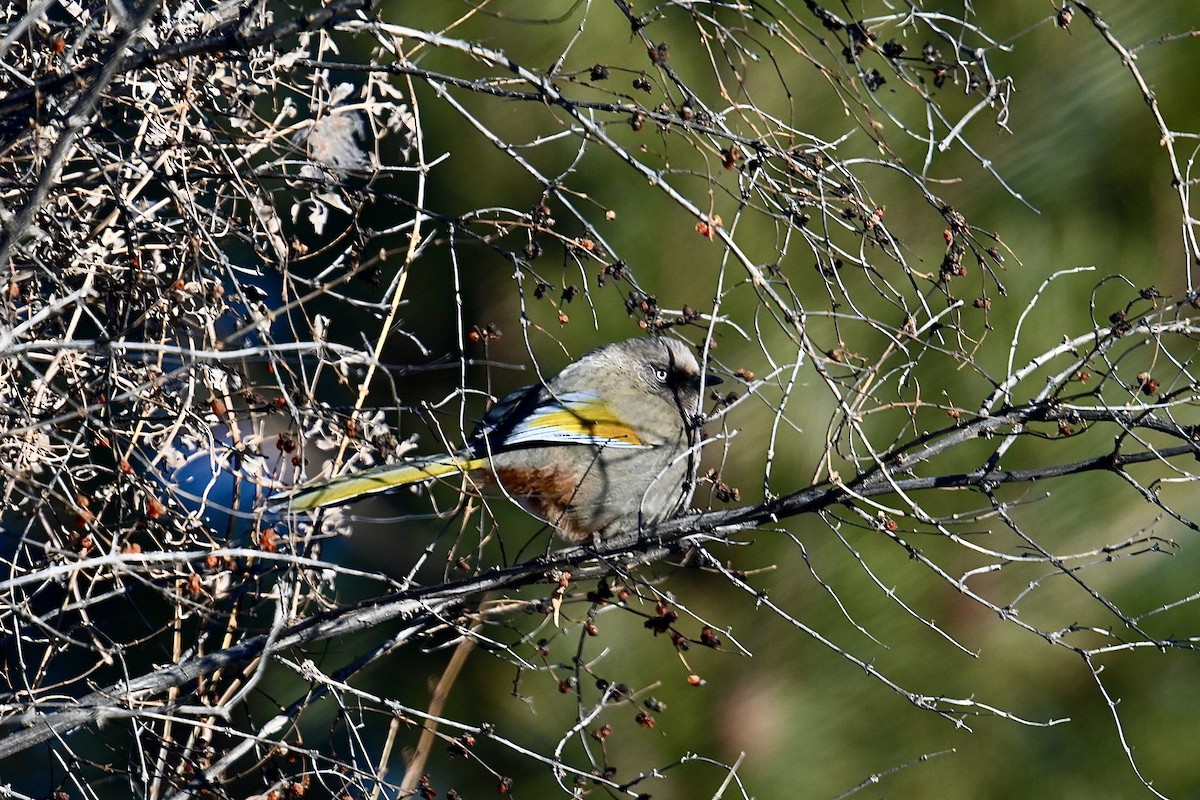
{"x": 660, "y": 375}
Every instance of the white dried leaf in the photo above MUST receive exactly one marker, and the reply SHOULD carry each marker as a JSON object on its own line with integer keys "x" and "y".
{"x": 271, "y": 225}
{"x": 334, "y": 200}
{"x": 340, "y": 93}
{"x": 318, "y": 215}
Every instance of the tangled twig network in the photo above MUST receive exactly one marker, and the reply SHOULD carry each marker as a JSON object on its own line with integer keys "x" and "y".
{"x": 248, "y": 245}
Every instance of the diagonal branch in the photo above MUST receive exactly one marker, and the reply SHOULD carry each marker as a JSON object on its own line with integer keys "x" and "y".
{"x": 423, "y": 607}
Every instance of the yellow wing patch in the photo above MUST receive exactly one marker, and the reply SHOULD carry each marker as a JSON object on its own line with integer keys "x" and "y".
{"x": 574, "y": 419}
{"x": 594, "y": 420}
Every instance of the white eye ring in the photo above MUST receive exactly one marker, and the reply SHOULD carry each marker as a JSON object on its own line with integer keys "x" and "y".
{"x": 660, "y": 375}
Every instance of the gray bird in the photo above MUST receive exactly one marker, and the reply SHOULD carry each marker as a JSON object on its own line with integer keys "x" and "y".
{"x": 604, "y": 446}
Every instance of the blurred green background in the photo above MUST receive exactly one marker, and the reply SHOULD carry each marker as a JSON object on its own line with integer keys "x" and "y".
{"x": 1080, "y": 148}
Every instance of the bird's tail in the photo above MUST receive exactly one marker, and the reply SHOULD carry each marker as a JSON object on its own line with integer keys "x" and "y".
{"x": 372, "y": 481}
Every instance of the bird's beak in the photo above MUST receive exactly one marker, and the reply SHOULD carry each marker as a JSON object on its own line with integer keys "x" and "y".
{"x": 701, "y": 381}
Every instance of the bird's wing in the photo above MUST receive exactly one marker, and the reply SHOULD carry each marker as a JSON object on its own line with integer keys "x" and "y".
{"x": 534, "y": 417}
{"x": 530, "y": 417}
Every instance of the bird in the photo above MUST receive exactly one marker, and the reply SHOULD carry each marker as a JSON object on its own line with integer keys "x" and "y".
{"x": 607, "y": 445}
